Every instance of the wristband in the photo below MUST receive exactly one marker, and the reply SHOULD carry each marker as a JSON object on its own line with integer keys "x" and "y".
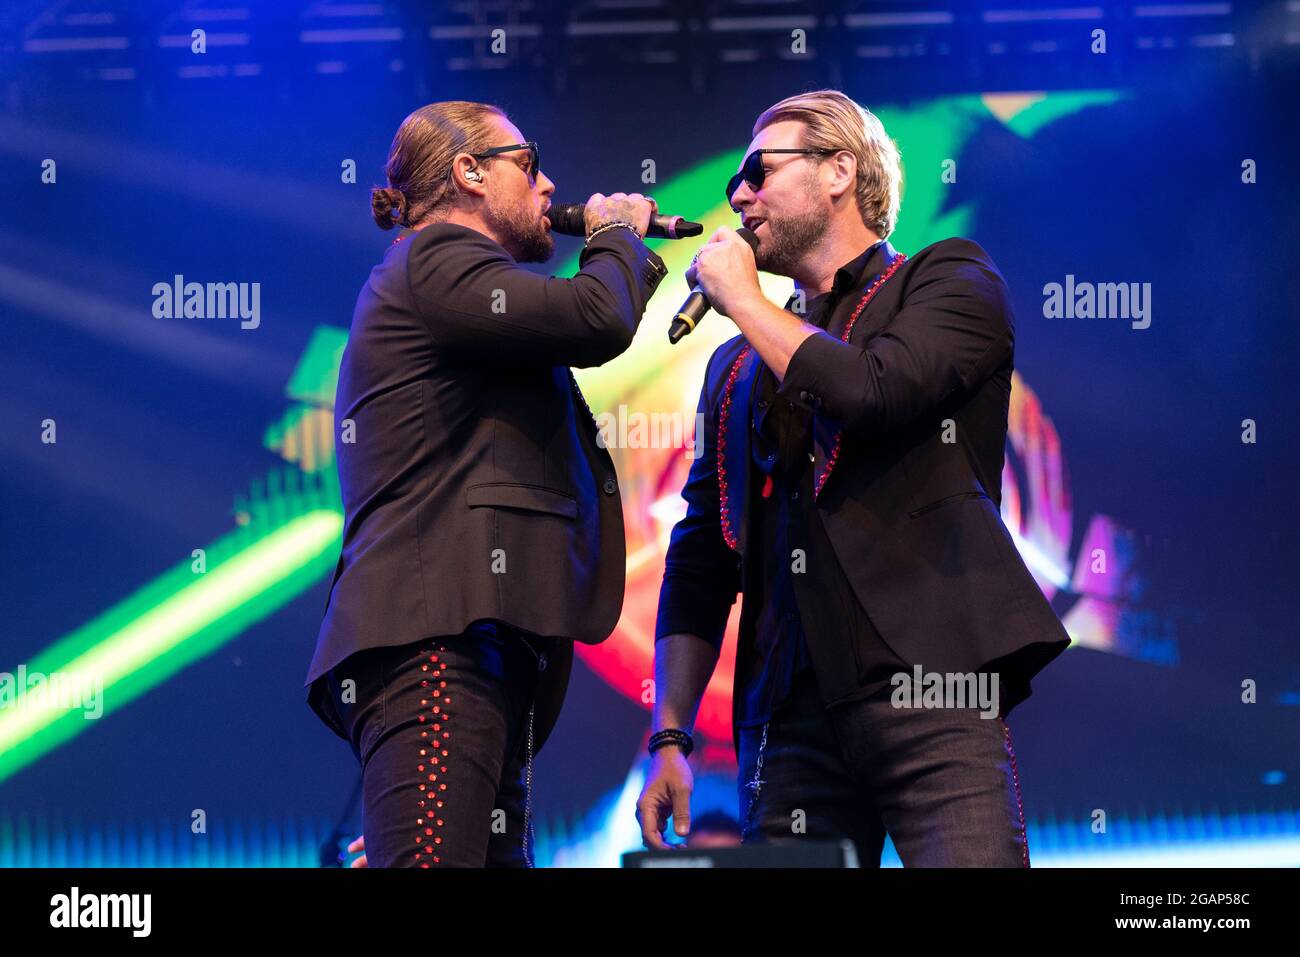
{"x": 661, "y": 739}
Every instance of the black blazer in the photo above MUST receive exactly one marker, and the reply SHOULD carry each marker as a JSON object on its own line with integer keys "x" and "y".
{"x": 473, "y": 485}
{"x": 914, "y": 520}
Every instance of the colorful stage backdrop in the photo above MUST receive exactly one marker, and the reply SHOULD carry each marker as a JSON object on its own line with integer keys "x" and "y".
{"x": 172, "y": 510}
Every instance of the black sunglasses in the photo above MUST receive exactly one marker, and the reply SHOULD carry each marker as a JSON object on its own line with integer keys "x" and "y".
{"x": 752, "y": 172}
{"x": 534, "y": 156}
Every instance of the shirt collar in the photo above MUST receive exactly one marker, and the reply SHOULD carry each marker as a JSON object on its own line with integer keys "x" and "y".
{"x": 849, "y": 276}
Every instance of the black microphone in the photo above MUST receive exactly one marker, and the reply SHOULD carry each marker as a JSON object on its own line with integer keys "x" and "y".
{"x": 697, "y": 304}
{"x": 567, "y": 219}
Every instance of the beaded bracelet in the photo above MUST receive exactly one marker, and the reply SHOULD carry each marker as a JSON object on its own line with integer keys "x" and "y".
{"x": 661, "y": 739}
{"x": 610, "y": 225}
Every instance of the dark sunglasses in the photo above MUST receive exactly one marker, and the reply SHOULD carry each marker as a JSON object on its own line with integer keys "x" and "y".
{"x": 752, "y": 172}
{"x": 534, "y": 156}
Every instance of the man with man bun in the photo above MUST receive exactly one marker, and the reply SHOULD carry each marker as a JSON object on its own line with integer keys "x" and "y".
{"x": 483, "y": 525}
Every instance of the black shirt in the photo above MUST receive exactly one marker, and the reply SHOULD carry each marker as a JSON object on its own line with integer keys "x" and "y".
{"x": 808, "y": 614}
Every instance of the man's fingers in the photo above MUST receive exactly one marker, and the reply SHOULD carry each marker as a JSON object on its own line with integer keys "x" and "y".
{"x": 358, "y": 844}
{"x": 651, "y": 828}
{"x": 703, "y": 252}
{"x": 681, "y": 811}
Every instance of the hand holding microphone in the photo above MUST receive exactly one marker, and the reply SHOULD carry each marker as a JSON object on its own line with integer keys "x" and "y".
{"x": 722, "y": 271}
{"x": 579, "y": 219}
{"x": 722, "y": 274}
{"x": 601, "y": 210}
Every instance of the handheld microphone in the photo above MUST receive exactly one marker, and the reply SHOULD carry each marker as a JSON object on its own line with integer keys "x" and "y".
{"x": 697, "y": 303}
{"x": 567, "y": 219}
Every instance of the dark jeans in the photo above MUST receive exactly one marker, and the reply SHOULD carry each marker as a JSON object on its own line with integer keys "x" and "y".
{"x": 442, "y": 729}
{"x": 943, "y": 783}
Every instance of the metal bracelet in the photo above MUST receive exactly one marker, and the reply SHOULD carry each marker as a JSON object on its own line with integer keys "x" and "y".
{"x": 610, "y": 225}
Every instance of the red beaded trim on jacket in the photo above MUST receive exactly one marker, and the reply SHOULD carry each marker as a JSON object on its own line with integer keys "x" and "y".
{"x": 728, "y": 533}
{"x": 844, "y": 336}
{"x": 724, "y": 411}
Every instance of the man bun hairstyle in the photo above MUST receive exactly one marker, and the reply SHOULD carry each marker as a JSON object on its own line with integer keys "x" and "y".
{"x": 388, "y": 206}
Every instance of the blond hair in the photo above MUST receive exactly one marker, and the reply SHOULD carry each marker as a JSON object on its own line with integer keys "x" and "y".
{"x": 832, "y": 121}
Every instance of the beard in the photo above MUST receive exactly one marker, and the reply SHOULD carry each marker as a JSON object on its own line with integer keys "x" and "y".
{"x": 522, "y": 231}
{"x": 791, "y": 236}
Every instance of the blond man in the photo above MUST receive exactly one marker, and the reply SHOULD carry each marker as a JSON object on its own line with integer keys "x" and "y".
{"x": 850, "y": 489}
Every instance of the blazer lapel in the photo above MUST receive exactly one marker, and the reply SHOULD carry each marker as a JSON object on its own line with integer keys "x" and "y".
{"x": 760, "y": 415}
{"x": 828, "y": 440}
{"x": 871, "y": 321}
{"x": 582, "y": 401}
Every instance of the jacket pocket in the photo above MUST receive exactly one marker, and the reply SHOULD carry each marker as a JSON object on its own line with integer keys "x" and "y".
{"x": 959, "y": 497}
{"x": 532, "y": 498}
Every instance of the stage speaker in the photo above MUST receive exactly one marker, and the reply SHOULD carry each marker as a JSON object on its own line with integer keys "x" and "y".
{"x": 795, "y": 854}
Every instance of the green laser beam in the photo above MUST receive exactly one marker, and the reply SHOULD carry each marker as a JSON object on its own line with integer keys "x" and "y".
{"x": 151, "y": 635}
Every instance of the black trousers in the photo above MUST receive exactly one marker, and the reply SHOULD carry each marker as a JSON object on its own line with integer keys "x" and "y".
{"x": 943, "y": 782}
{"x": 444, "y": 731}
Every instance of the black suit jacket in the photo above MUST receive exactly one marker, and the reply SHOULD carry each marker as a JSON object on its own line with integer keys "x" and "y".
{"x": 914, "y": 520}
{"x": 473, "y": 485}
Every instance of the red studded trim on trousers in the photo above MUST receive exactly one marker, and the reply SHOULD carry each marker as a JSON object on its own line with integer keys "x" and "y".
{"x": 1015, "y": 780}
{"x": 433, "y": 752}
